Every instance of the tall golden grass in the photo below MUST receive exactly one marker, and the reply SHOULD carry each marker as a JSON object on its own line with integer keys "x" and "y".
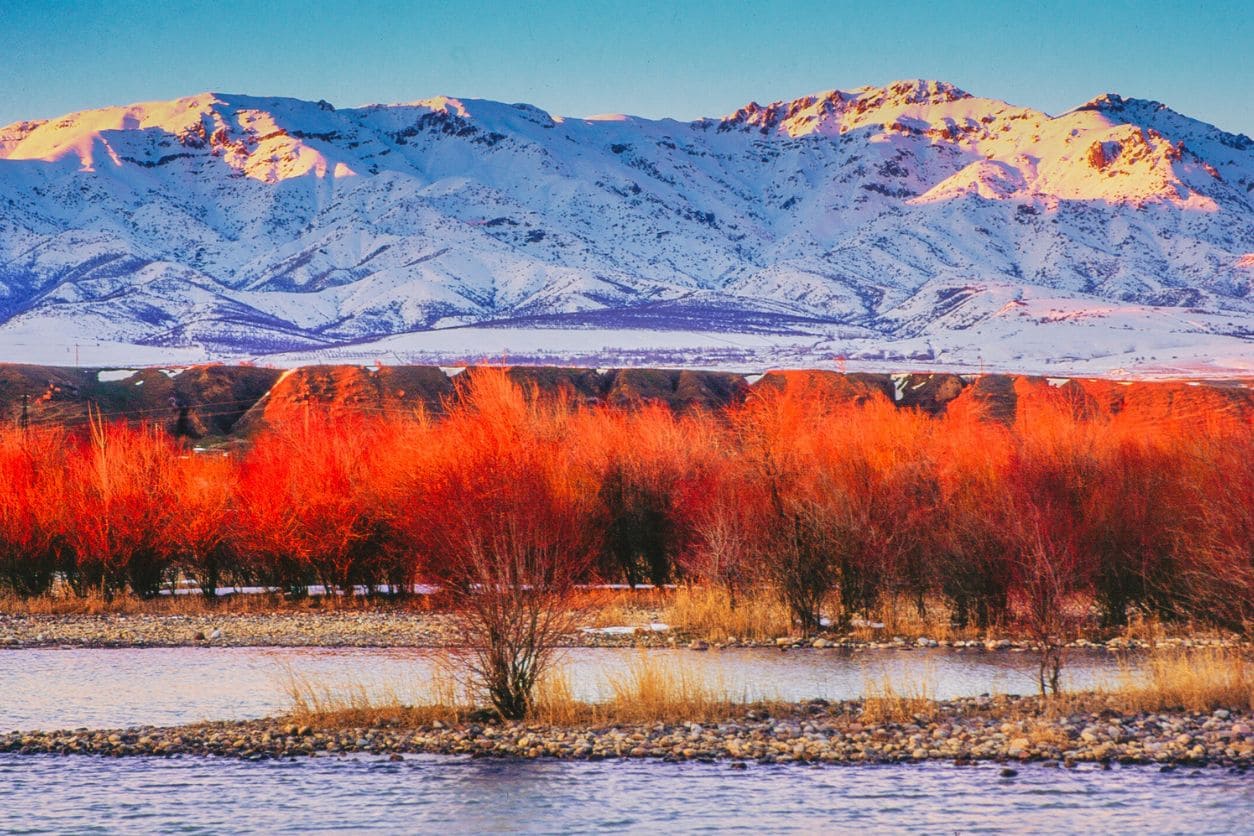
{"x": 93, "y": 602}
{"x": 651, "y": 689}
{"x": 1199, "y": 679}
{"x": 443, "y": 696}
{"x": 657, "y": 688}
{"x": 713, "y": 614}
{"x": 887, "y": 701}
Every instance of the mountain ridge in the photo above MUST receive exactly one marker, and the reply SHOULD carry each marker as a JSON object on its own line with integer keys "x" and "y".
{"x": 913, "y": 221}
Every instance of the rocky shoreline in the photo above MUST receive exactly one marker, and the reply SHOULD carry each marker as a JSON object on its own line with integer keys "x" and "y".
{"x": 1002, "y": 729}
{"x": 277, "y": 629}
{"x": 332, "y": 628}
{"x": 403, "y": 628}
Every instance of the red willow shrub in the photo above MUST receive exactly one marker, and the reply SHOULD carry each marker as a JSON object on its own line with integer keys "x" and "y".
{"x": 776, "y": 435}
{"x": 199, "y": 536}
{"x": 835, "y": 498}
{"x": 877, "y": 493}
{"x": 119, "y": 508}
{"x": 499, "y": 516}
{"x": 725, "y": 513}
{"x": 649, "y": 467}
{"x": 312, "y": 506}
{"x": 846, "y": 497}
{"x": 32, "y": 509}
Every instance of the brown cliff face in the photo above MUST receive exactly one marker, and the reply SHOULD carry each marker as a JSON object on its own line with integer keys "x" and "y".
{"x": 857, "y": 387}
{"x": 216, "y": 401}
{"x": 931, "y": 392}
{"x": 194, "y": 402}
{"x": 381, "y": 391}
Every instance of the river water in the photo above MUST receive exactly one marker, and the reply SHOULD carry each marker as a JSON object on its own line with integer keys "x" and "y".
{"x": 452, "y": 795}
{"x": 72, "y": 688}
{"x": 68, "y": 688}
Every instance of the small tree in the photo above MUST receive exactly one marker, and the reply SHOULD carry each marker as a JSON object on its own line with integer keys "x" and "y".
{"x": 776, "y": 431}
{"x": 499, "y": 520}
{"x": 1048, "y": 485}
{"x": 1047, "y": 571}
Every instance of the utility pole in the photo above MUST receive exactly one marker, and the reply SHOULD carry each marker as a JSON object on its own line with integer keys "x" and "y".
{"x": 24, "y": 421}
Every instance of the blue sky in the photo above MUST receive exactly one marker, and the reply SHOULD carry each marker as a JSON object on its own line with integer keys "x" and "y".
{"x": 680, "y": 59}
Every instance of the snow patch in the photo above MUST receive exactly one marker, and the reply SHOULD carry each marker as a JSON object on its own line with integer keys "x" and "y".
{"x": 114, "y": 375}
{"x": 653, "y": 627}
{"x": 899, "y": 385}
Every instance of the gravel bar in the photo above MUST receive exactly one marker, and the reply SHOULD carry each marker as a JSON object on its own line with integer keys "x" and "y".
{"x": 1000, "y": 729}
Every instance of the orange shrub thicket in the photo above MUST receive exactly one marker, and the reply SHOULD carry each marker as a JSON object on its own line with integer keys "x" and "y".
{"x": 119, "y": 507}
{"x": 32, "y": 509}
{"x": 1135, "y": 503}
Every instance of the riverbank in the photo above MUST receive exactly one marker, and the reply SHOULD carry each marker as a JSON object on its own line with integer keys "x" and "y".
{"x": 436, "y": 629}
{"x": 307, "y": 628}
{"x": 1002, "y": 729}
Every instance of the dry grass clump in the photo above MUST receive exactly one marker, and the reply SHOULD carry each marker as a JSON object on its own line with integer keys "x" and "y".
{"x": 93, "y": 602}
{"x": 194, "y": 604}
{"x": 1195, "y": 680}
{"x": 658, "y": 689}
{"x": 353, "y": 704}
{"x": 617, "y": 607}
{"x": 900, "y": 617}
{"x": 884, "y": 702}
{"x": 650, "y": 690}
{"x": 713, "y": 614}
{"x": 663, "y": 690}
{"x": 1046, "y": 733}
{"x": 1152, "y": 630}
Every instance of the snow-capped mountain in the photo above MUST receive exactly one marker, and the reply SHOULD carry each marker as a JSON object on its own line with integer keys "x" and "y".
{"x": 912, "y": 223}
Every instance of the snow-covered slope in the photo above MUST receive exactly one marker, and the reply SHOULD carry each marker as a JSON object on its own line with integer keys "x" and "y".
{"x": 912, "y": 222}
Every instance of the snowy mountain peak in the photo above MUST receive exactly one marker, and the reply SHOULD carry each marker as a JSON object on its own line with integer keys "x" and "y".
{"x": 918, "y": 91}
{"x": 910, "y": 220}
{"x": 835, "y": 111}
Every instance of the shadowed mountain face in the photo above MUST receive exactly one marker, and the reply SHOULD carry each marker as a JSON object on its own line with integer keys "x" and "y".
{"x": 223, "y": 402}
{"x": 913, "y": 221}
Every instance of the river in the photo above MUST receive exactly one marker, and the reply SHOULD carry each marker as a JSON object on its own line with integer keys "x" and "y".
{"x": 452, "y": 795}
{"x": 108, "y": 688}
